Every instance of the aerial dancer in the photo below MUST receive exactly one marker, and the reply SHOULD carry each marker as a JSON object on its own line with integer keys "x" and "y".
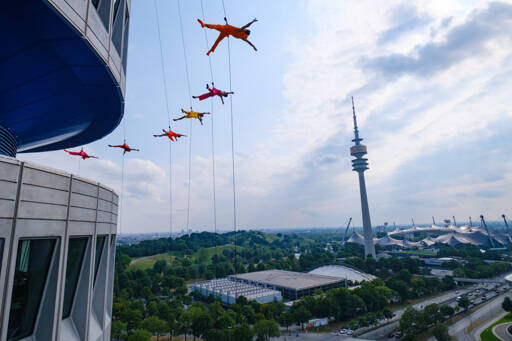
{"x": 82, "y": 154}
{"x": 214, "y": 92}
{"x": 228, "y": 30}
{"x": 125, "y": 147}
{"x": 170, "y": 134}
{"x": 192, "y": 114}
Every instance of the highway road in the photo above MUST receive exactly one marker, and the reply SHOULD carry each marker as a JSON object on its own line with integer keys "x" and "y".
{"x": 447, "y": 298}
{"x": 486, "y": 312}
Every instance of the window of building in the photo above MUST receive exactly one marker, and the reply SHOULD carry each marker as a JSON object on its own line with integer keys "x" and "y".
{"x": 116, "y": 8}
{"x": 1, "y": 252}
{"x": 125, "y": 37}
{"x": 117, "y": 31}
{"x": 103, "y": 9}
{"x": 76, "y": 252}
{"x": 100, "y": 242}
{"x": 32, "y": 264}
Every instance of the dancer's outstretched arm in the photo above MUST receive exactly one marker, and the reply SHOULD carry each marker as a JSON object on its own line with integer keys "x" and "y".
{"x": 249, "y": 24}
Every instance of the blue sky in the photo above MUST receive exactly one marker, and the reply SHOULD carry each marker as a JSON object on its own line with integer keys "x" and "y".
{"x": 431, "y": 83}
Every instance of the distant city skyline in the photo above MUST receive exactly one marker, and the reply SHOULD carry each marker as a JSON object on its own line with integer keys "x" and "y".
{"x": 431, "y": 83}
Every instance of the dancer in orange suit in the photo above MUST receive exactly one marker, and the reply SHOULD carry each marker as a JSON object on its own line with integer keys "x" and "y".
{"x": 81, "y": 153}
{"x": 125, "y": 147}
{"x": 171, "y": 135}
{"x": 228, "y": 30}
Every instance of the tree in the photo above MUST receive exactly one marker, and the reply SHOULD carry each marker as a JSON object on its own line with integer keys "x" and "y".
{"x": 449, "y": 283}
{"x": 160, "y": 266}
{"x": 464, "y": 302}
{"x": 119, "y": 329}
{"x": 155, "y": 325}
{"x": 431, "y": 314}
{"x": 440, "y": 331}
{"x": 265, "y": 329}
{"x": 411, "y": 322}
{"x": 400, "y": 286}
{"x": 286, "y": 319}
{"x": 243, "y": 332}
{"x": 507, "y": 304}
{"x": 301, "y": 315}
{"x": 353, "y": 324}
{"x": 140, "y": 335}
{"x": 387, "y": 313}
{"x": 446, "y": 311}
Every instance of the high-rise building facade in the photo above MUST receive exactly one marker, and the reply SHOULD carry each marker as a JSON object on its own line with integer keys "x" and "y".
{"x": 360, "y": 165}
{"x": 63, "y": 66}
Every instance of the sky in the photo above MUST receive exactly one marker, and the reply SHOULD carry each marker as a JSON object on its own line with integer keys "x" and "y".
{"x": 431, "y": 82}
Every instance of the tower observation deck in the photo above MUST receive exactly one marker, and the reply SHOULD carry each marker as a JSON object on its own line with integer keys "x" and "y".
{"x": 359, "y": 165}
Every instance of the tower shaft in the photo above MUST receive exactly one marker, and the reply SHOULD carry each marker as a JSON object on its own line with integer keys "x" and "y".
{"x": 369, "y": 248}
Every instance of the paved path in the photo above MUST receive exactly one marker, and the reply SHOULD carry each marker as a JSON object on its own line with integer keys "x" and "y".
{"x": 501, "y": 331}
{"x": 475, "y": 334}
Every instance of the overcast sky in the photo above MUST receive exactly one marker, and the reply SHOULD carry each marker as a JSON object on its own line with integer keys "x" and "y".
{"x": 431, "y": 81}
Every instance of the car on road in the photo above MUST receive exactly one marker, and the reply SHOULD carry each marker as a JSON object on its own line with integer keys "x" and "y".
{"x": 350, "y": 332}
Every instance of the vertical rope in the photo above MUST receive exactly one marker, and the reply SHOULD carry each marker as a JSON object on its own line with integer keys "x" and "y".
{"x": 121, "y": 203}
{"x": 190, "y": 101}
{"x": 168, "y": 114}
{"x": 232, "y": 139}
{"x": 213, "y": 144}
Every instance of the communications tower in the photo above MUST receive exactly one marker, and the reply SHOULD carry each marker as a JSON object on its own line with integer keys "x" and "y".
{"x": 360, "y": 164}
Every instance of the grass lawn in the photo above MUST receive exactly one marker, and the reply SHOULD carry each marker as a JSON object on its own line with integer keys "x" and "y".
{"x": 420, "y": 252}
{"x": 144, "y": 263}
{"x": 203, "y": 255}
{"x": 487, "y": 334}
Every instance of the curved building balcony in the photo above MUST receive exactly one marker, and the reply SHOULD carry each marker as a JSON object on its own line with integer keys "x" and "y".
{"x": 63, "y": 67}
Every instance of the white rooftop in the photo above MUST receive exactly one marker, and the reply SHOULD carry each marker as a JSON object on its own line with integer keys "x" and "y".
{"x": 288, "y": 279}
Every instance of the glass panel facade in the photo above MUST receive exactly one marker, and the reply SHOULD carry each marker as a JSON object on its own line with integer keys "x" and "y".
{"x": 32, "y": 264}
{"x": 104, "y": 12}
{"x": 125, "y": 38}
{"x": 100, "y": 242}
{"x": 117, "y": 32}
{"x": 76, "y": 252}
{"x": 1, "y": 252}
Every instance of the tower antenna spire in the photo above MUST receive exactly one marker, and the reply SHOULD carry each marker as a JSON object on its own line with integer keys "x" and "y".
{"x": 356, "y": 139}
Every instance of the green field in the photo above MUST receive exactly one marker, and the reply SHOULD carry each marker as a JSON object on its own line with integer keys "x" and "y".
{"x": 419, "y": 252}
{"x": 487, "y": 334}
{"x": 144, "y": 263}
{"x": 203, "y": 255}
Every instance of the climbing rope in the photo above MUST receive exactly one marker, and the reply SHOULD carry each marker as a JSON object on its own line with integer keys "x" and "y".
{"x": 190, "y": 102}
{"x": 168, "y": 115}
{"x": 232, "y": 138}
{"x": 213, "y": 142}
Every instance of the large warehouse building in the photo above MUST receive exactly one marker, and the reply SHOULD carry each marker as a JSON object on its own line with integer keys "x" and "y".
{"x": 292, "y": 285}
{"x": 228, "y": 290}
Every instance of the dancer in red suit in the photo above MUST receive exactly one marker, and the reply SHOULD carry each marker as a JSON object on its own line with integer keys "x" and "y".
{"x": 82, "y": 154}
{"x": 125, "y": 147}
{"x": 171, "y": 135}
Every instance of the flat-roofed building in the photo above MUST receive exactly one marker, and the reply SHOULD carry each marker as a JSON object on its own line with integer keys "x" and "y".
{"x": 292, "y": 285}
{"x": 228, "y": 290}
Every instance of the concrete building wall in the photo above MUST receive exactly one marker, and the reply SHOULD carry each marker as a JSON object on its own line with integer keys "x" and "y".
{"x": 39, "y": 204}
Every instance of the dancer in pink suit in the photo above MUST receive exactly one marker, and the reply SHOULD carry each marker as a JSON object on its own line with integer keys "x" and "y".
{"x": 214, "y": 92}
